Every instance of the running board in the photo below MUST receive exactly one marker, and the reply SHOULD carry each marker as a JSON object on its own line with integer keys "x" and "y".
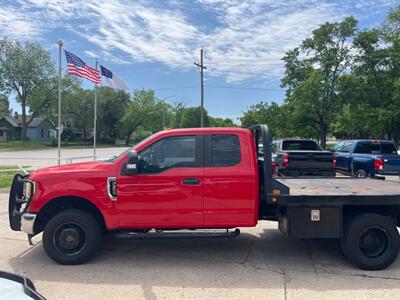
{"x": 179, "y": 235}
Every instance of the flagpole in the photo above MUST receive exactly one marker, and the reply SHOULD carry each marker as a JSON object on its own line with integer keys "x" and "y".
{"x": 95, "y": 116}
{"x": 60, "y": 45}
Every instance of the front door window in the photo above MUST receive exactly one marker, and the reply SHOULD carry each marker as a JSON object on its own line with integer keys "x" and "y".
{"x": 173, "y": 152}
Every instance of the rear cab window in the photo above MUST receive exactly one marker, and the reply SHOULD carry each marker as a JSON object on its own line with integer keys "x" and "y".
{"x": 365, "y": 148}
{"x": 301, "y": 145}
{"x": 375, "y": 147}
{"x": 225, "y": 150}
{"x": 388, "y": 148}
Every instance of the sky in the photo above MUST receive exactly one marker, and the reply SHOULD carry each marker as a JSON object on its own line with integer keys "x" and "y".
{"x": 154, "y": 44}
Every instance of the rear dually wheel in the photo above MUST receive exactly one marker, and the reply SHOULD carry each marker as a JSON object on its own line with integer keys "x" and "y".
{"x": 371, "y": 241}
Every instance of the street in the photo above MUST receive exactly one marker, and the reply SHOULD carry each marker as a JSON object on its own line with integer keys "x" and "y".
{"x": 48, "y": 157}
{"x": 259, "y": 264}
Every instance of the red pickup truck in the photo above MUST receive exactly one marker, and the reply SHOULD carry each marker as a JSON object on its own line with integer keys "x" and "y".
{"x": 205, "y": 178}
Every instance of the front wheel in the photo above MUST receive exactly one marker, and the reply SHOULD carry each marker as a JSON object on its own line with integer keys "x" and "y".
{"x": 72, "y": 237}
{"x": 371, "y": 241}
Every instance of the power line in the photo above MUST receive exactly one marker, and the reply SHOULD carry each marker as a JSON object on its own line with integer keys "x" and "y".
{"x": 177, "y": 88}
{"x": 243, "y": 88}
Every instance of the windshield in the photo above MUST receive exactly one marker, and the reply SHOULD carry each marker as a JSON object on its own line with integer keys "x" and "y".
{"x": 115, "y": 157}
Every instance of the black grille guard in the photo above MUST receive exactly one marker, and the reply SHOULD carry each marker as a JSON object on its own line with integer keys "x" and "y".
{"x": 17, "y": 200}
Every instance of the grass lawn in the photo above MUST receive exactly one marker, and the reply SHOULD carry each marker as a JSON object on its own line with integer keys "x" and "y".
{"x": 5, "y": 181}
{"x": 20, "y": 145}
{"x": 7, "y": 174}
{"x": 6, "y": 168}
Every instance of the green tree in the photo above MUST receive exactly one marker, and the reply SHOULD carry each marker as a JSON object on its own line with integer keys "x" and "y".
{"x": 362, "y": 90}
{"x": 312, "y": 75}
{"x": 77, "y": 107}
{"x": 4, "y": 106}
{"x": 371, "y": 90}
{"x": 144, "y": 112}
{"x": 221, "y": 122}
{"x": 77, "y": 104}
{"x": 191, "y": 118}
{"x": 24, "y": 68}
{"x": 277, "y": 117}
{"x": 391, "y": 112}
{"x": 112, "y": 105}
{"x": 177, "y": 110}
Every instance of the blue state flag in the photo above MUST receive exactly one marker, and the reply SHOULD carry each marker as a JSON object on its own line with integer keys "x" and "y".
{"x": 112, "y": 80}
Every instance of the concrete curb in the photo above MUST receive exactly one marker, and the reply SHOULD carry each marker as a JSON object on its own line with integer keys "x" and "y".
{"x": 4, "y": 191}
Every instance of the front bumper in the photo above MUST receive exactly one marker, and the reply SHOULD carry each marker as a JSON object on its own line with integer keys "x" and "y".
{"x": 27, "y": 223}
{"x": 18, "y": 204}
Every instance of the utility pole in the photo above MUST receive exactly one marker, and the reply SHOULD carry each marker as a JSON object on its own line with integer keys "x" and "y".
{"x": 60, "y": 45}
{"x": 201, "y": 67}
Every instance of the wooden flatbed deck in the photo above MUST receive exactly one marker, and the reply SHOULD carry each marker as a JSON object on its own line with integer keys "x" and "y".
{"x": 340, "y": 187}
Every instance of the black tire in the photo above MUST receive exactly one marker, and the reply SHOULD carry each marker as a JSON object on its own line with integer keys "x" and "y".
{"x": 72, "y": 237}
{"x": 361, "y": 173}
{"x": 370, "y": 241}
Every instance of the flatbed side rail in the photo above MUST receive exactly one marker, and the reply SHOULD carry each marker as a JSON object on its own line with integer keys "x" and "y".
{"x": 336, "y": 200}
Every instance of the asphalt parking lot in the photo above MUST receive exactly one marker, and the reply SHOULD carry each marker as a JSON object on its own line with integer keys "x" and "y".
{"x": 259, "y": 264}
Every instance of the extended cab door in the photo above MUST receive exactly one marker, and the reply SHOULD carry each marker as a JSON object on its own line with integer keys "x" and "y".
{"x": 230, "y": 181}
{"x": 167, "y": 191}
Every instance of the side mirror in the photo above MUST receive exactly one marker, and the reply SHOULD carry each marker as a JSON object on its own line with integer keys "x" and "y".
{"x": 132, "y": 164}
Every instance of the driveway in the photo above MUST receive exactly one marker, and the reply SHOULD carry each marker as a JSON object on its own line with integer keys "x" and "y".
{"x": 259, "y": 264}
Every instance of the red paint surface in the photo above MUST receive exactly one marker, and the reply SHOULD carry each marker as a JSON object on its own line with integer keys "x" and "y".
{"x": 225, "y": 196}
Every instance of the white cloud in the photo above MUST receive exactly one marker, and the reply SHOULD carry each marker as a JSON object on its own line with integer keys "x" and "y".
{"x": 16, "y": 24}
{"x": 243, "y": 40}
{"x": 91, "y": 54}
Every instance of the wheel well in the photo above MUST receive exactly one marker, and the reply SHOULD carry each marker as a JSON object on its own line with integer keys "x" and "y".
{"x": 62, "y": 203}
{"x": 392, "y": 211}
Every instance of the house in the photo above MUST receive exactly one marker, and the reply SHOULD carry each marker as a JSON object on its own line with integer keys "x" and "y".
{"x": 38, "y": 129}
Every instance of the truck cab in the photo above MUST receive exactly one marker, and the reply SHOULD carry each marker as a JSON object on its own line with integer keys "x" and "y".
{"x": 367, "y": 158}
{"x": 180, "y": 181}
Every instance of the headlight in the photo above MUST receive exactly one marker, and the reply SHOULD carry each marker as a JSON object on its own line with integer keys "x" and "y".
{"x": 28, "y": 189}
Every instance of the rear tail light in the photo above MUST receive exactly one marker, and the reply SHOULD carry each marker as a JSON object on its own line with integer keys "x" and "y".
{"x": 378, "y": 164}
{"x": 334, "y": 161}
{"x": 285, "y": 160}
{"x": 273, "y": 168}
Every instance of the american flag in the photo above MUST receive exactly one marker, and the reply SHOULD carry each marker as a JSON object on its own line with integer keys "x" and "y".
{"x": 78, "y": 67}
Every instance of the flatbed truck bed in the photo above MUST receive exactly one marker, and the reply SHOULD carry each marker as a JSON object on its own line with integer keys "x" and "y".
{"x": 338, "y": 191}
{"x": 363, "y": 214}
{"x": 332, "y": 187}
